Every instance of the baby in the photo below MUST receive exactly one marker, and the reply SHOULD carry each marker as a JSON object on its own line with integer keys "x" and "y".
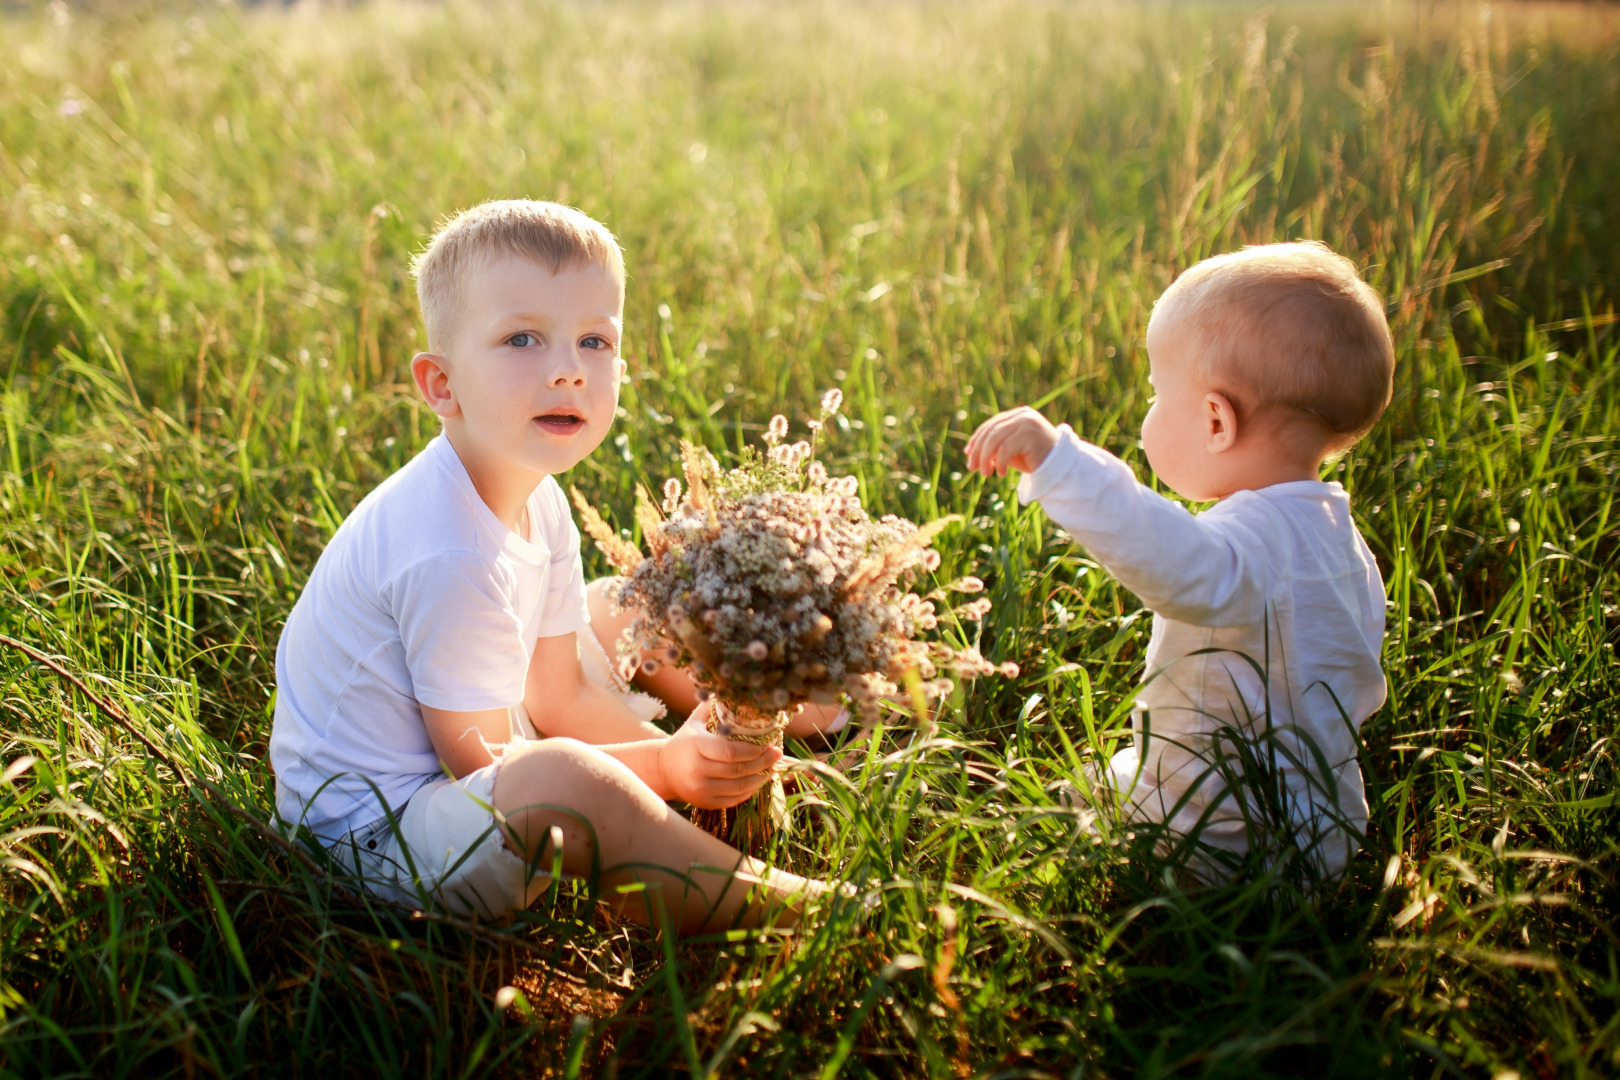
{"x": 1268, "y": 607}
{"x": 447, "y": 625}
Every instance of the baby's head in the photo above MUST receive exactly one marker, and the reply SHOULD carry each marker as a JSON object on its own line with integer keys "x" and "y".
{"x": 524, "y": 306}
{"x": 1265, "y": 362}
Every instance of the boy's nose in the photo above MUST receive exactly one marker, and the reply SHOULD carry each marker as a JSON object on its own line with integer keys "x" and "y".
{"x": 569, "y": 371}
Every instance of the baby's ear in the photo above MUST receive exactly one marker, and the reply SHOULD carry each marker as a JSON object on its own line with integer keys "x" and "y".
{"x": 433, "y": 382}
{"x": 1220, "y": 423}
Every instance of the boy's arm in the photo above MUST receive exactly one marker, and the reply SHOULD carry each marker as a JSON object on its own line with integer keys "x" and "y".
{"x": 693, "y": 765}
{"x": 463, "y": 739}
{"x": 1192, "y": 569}
{"x": 696, "y": 766}
{"x": 560, "y": 700}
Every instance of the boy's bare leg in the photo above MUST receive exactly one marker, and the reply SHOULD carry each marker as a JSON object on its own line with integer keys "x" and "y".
{"x": 672, "y": 685}
{"x": 703, "y": 882}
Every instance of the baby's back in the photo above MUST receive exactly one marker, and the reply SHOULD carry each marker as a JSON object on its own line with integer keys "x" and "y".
{"x": 1288, "y": 678}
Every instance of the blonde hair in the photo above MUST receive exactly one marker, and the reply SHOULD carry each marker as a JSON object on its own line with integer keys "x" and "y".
{"x": 1292, "y": 326}
{"x": 549, "y": 233}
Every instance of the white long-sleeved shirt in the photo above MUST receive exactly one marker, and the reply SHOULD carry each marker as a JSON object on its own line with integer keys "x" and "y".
{"x": 1275, "y": 581}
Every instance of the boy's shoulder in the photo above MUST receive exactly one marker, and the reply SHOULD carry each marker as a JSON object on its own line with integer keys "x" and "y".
{"x": 427, "y": 509}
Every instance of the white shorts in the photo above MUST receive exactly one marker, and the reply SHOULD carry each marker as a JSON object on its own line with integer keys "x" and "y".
{"x": 443, "y": 850}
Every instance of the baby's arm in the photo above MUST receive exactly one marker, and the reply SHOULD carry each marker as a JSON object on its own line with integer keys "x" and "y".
{"x": 1206, "y": 572}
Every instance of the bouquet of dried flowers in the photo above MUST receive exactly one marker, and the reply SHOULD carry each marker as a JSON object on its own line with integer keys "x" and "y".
{"x": 773, "y": 586}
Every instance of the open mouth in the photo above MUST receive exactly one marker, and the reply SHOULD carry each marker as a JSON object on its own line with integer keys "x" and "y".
{"x": 562, "y": 423}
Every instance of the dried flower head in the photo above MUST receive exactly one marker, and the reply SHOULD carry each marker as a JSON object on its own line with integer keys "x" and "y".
{"x": 771, "y": 583}
{"x": 975, "y": 609}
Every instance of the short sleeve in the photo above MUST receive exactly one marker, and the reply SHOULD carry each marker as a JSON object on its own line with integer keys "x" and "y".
{"x": 460, "y": 630}
{"x": 564, "y": 610}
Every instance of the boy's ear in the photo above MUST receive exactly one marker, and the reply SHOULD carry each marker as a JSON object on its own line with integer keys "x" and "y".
{"x": 1220, "y": 423}
{"x": 433, "y": 383}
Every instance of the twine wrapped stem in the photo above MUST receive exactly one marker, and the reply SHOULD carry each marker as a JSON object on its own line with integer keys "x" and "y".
{"x": 750, "y": 824}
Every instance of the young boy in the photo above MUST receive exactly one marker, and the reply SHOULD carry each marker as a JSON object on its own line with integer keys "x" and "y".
{"x": 442, "y": 628}
{"x": 1268, "y": 607}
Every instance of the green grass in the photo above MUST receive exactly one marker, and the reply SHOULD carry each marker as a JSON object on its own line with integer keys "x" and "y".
{"x": 205, "y": 226}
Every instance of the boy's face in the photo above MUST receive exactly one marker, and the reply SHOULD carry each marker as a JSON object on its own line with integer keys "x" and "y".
{"x": 533, "y": 366}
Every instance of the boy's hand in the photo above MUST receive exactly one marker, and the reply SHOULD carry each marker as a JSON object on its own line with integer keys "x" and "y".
{"x": 1017, "y": 439}
{"x": 709, "y": 771}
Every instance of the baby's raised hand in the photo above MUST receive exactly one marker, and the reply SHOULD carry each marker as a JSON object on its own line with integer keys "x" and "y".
{"x": 1016, "y": 439}
{"x": 709, "y": 771}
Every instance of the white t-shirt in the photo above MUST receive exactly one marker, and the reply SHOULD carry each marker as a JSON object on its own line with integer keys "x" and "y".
{"x": 422, "y": 598}
{"x": 1280, "y": 577}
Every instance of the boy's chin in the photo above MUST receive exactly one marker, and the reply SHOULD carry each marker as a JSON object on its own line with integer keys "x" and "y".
{"x": 553, "y": 464}
{"x": 560, "y": 459}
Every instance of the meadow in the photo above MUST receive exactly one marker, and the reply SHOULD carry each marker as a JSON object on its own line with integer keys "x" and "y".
{"x": 206, "y": 220}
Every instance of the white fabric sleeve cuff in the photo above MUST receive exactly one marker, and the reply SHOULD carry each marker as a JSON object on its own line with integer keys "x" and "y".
{"x": 1064, "y": 456}
{"x": 571, "y": 620}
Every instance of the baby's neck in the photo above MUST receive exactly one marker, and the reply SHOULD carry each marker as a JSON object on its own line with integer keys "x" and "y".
{"x": 1268, "y": 458}
{"x": 1269, "y": 474}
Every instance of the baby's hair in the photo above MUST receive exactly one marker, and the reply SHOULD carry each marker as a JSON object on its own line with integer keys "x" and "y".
{"x": 1289, "y": 325}
{"x": 551, "y": 234}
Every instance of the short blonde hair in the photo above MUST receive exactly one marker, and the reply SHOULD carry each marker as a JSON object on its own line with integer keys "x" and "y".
{"x": 551, "y": 234}
{"x": 1289, "y": 325}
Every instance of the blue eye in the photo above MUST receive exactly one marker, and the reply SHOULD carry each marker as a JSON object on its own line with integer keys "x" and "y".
{"x": 596, "y": 341}
{"x": 522, "y": 340}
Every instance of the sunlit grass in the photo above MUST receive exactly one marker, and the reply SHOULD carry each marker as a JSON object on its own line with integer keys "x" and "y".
{"x": 205, "y": 225}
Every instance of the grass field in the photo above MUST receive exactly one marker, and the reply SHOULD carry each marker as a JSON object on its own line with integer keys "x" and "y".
{"x": 206, "y": 219}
